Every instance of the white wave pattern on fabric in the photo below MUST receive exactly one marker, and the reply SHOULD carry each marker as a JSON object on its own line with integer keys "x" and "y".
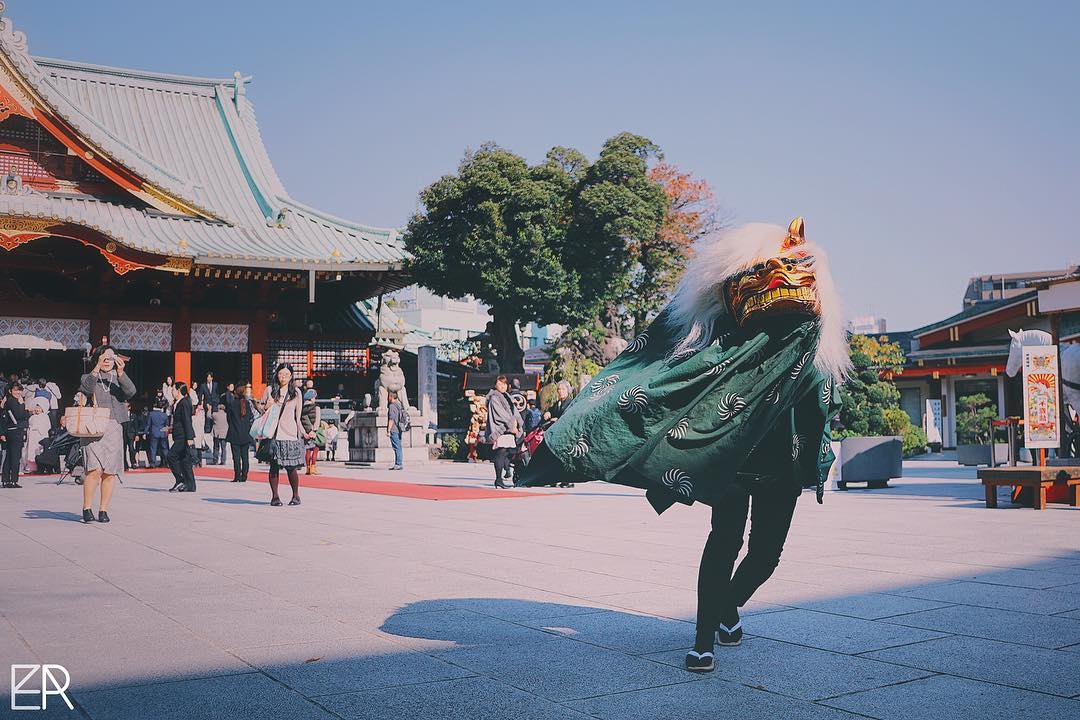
{"x": 580, "y": 448}
{"x": 633, "y": 399}
{"x": 697, "y": 303}
{"x": 797, "y": 368}
{"x": 639, "y": 343}
{"x": 602, "y": 386}
{"x": 796, "y": 446}
{"x": 827, "y": 391}
{"x": 678, "y": 430}
{"x": 718, "y": 368}
{"x": 773, "y": 396}
{"x": 678, "y": 481}
{"x": 730, "y": 405}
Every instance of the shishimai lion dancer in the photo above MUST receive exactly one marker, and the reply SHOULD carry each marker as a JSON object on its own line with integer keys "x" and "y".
{"x": 724, "y": 399}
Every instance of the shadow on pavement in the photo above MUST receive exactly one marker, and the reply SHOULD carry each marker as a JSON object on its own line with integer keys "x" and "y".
{"x": 52, "y": 515}
{"x": 1001, "y": 642}
{"x": 234, "y": 501}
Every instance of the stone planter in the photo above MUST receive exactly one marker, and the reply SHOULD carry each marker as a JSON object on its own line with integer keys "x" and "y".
{"x": 872, "y": 460}
{"x": 974, "y": 455}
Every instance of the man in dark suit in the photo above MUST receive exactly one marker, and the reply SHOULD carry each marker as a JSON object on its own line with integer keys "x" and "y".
{"x": 181, "y": 454}
{"x": 157, "y": 434}
{"x": 209, "y": 397}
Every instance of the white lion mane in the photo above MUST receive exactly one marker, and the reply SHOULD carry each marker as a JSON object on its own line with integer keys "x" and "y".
{"x": 697, "y": 303}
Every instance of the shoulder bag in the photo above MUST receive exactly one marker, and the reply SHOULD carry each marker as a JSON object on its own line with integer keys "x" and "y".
{"x": 87, "y": 421}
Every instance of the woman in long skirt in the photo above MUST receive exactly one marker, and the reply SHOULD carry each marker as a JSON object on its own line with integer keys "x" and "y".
{"x": 108, "y": 386}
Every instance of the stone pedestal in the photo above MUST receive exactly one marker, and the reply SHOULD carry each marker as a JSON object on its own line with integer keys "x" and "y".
{"x": 369, "y": 444}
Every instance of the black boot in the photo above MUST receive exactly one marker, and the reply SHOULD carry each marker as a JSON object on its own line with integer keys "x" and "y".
{"x": 88, "y": 515}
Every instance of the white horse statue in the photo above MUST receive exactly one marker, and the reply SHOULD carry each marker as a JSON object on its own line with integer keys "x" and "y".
{"x": 1068, "y": 354}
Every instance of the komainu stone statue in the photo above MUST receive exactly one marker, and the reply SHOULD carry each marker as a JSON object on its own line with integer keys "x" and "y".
{"x": 391, "y": 379}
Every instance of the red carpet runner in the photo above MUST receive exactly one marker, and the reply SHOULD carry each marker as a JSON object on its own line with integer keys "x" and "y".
{"x": 416, "y": 491}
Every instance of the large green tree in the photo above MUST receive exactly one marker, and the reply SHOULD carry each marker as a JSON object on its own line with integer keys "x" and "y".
{"x": 548, "y": 243}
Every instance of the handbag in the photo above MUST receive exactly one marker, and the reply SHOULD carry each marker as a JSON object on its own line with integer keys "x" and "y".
{"x": 264, "y": 451}
{"x": 261, "y": 424}
{"x": 87, "y": 421}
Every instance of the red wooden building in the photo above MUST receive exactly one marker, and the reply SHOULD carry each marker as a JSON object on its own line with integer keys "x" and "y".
{"x": 144, "y": 207}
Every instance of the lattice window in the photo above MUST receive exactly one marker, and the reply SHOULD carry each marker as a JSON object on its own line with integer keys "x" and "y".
{"x": 28, "y": 165}
{"x": 330, "y": 357}
{"x": 293, "y": 352}
{"x": 327, "y": 357}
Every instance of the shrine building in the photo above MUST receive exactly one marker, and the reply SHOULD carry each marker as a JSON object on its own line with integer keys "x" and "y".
{"x": 143, "y": 207}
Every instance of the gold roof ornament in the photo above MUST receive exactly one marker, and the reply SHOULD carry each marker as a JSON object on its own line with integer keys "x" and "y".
{"x": 796, "y": 233}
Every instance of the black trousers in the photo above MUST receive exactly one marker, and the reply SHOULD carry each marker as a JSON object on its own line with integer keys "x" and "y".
{"x": 13, "y": 448}
{"x": 770, "y": 504}
{"x": 181, "y": 460}
{"x": 240, "y": 460}
{"x": 129, "y": 444}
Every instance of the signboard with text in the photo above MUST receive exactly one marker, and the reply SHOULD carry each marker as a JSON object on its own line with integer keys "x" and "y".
{"x": 1042, "y": 409}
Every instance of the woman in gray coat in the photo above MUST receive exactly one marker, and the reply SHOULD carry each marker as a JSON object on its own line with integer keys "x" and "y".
{"x": 503, "y": 428}
{"x": 107, "y": 386}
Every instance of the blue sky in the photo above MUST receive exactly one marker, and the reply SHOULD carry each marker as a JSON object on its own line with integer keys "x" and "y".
{"x": 924, "y": 142}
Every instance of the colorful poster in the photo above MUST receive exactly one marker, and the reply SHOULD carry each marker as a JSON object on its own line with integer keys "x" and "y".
{"x": 1042, "y": 411}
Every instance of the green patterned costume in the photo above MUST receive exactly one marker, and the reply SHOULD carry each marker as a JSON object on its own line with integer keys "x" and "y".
{"x": 684, "y": 426}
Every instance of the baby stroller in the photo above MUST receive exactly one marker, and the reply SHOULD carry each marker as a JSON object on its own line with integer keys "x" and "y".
{"x": 526, "y": 448}
{"x": 67, "y": 445}
{"x": 48, "y": 459}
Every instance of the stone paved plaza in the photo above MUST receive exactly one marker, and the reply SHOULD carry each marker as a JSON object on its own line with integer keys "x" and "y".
{"x": 906, "y": 603}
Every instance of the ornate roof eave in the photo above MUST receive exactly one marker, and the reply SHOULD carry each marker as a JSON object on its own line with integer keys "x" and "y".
{"x": 291, "y": 264}
{"x": 26, "y": 91}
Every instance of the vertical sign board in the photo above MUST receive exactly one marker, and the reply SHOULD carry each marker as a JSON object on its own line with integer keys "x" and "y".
{"x": 932, "y": 421}
{"x": 1042, "y": 412}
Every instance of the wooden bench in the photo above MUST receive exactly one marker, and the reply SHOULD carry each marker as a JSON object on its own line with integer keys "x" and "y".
{"x": 1038, "y": 478}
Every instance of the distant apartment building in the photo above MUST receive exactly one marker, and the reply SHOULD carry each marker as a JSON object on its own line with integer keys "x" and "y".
{"x": 866, "y": 325}
{"x": 986, "y": 288}
{"x": 446, "y": 320}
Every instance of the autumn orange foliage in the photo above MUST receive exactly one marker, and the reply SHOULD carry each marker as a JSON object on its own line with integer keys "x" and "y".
{"x": 690, "y": 209}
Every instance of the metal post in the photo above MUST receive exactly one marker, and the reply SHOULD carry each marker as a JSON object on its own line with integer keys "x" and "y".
{"x": 1012, "y": 444}
{"x": 378, "y": 320}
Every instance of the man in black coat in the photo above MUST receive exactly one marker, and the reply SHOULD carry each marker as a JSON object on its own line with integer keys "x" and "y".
{"x": 181, "y": 454}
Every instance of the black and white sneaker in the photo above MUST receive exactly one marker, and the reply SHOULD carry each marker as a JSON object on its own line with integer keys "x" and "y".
{"x": 729, "y": 636}
{"x": 700, "y": 662}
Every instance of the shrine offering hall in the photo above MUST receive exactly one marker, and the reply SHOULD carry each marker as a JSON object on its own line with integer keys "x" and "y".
{"x": 143, "y": 208}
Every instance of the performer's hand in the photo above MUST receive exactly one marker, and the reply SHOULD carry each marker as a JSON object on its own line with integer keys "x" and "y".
{"x": 191, "y": 443}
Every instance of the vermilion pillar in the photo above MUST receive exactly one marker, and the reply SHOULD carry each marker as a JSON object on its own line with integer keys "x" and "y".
{"x": 257, "y": 333}
{"x": 181, "y": 342}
